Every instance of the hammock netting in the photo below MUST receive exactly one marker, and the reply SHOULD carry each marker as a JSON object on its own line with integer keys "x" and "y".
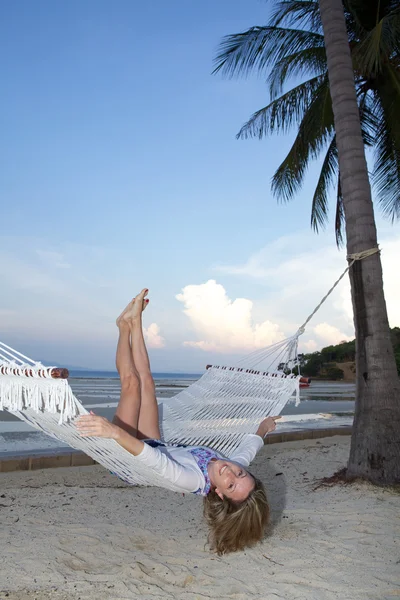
{"x": 226, "y": 403}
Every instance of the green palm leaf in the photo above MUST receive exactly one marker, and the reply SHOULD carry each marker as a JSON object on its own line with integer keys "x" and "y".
{"x": 381, "y": 42}
{"x": 310, "y": 61}
{"x": 328, "y": 175}
{"x": 386, "y": 174}
{"x": 315, "y": 131}
{"x": 281, "y": 114}
{"x": 258, "y": 47}
{"x": 292, "y": 46}
{"x": 302, "y": 13}
{"x": 339, "y": 217}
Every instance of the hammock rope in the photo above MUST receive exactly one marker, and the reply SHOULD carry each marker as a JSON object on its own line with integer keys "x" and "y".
{"x": 217, "y": 410}
{"x": 352, "y": 258}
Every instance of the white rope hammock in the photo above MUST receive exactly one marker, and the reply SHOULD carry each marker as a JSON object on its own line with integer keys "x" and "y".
{"x": 216, "y": 411}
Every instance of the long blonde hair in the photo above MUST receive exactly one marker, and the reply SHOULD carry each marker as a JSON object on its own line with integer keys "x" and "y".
{"x": 233, "y": 526}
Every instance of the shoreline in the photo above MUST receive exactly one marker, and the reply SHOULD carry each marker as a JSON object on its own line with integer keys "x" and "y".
{"x": 101, "y": 396}
{"x": 48, "y": 459}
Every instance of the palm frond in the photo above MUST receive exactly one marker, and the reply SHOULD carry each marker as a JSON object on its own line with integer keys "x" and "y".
{"x": 315, "y": 131}
{"x": 386, "y": 174}
{"x": 259, "y": 47}
{"x": 355, "y": 19}
{"x": 292, "y": 45}
{"x": 339, "y": 216}
{"x": 319, "y": 207}
{"x": 363, "y": 15}
{"x": 282, "y": 113}
{"x": 377, "y": 46}
{"x": 330, "y": 174}
{"x": 310, "y": 61}
{"x": 368, "y": 117}
{"x": 302, "y": 13}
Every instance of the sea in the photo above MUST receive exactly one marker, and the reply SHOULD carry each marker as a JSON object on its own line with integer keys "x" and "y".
{"x": 323, "y": 404}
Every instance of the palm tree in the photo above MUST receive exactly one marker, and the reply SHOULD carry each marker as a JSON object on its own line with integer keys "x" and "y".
{"x": 375, "y": 445}
{"x": 292, "y": 45}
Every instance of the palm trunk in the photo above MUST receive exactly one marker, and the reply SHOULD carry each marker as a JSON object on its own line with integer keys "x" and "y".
{"x": 375, "y": 443}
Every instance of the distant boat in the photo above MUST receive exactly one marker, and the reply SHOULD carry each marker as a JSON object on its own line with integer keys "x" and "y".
{"x": 305, "y": 382}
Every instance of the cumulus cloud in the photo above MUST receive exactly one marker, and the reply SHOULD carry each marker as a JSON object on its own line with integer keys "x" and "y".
{"x": 153, "y": 337}
{"x": 308, "y": 347}
{"x": 330, "y": 335}
{"x": 327, "y": 335}
{"x": 224, "y": 325}
{"x": 298, "y": 270}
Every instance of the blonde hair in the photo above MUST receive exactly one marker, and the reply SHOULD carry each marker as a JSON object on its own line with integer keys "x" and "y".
{"x": 235, "y": 526}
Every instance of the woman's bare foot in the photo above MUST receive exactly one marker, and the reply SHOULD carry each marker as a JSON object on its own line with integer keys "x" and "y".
{"x": 122, "y": 315}
{"x": 137, "y": 307}
{"x": 126, "y": 315}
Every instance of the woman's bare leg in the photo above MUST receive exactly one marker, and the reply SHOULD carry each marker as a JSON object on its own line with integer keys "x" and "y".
{"x": 127, "y": 413}
{"x": 148, "y": 423}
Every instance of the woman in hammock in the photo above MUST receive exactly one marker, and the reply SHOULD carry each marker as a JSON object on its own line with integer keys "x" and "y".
{"x": 235, "y": 503}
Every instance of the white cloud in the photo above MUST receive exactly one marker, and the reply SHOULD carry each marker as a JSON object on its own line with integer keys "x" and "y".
{"x": 153, "y": 337}
{"x": 330, "y": 335}
{"x": 294, "y": 273}
{"x": 307, "y": 347}
{"x": 326, "y": 334}
{"x": 222, "y": 324}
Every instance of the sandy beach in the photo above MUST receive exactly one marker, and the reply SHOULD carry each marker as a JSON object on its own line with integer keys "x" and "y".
{"x": 80, "y": 533}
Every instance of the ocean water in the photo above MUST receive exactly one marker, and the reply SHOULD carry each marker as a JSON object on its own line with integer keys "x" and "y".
{"x": 83, "y": 374}
{"x": 99, "y": 391}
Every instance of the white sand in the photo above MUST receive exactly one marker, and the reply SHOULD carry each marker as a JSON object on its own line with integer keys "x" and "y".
{"x": 80, "y": 533}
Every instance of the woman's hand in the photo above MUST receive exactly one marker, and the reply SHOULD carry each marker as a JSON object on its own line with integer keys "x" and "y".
{"x": 94, "y": 426}
{"x": 266, "y": 426}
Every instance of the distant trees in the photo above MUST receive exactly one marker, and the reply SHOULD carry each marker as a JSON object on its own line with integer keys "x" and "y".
{"x": 334, "y": 373}
{"x": 343, "y": 352}
{"x": 319, "y": 364}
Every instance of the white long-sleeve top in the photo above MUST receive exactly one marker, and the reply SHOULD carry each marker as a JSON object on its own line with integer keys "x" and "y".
{"x": 178, "y": 466}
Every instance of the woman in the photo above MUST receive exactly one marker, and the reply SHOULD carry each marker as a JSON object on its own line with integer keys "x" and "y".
{"x": 235, "y": 503}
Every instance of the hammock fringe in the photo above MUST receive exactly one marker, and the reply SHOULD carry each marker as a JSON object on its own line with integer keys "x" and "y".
{"x": 53, "y": 396}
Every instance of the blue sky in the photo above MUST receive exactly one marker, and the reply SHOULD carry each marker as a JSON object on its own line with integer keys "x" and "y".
{"x": 120, "y": 170}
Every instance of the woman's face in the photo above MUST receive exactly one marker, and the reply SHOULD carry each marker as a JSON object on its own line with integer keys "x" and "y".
{"x": 230, "y": 480}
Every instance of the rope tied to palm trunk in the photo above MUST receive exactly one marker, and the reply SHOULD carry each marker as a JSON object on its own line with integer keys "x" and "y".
{"x": 351, "y": 257}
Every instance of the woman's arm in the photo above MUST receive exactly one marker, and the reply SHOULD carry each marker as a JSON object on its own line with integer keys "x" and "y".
{"x": 95, "y": 426}
{"x": 247, "y": 449}
{"x": 184, "y": 478}
{"x": 252, "y": 443}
